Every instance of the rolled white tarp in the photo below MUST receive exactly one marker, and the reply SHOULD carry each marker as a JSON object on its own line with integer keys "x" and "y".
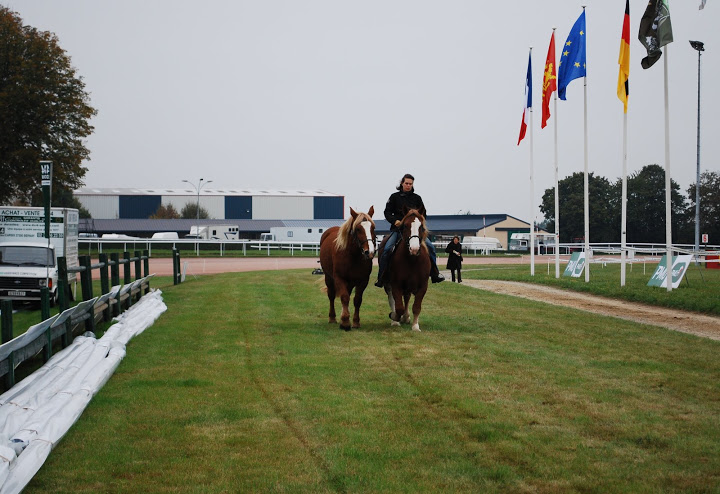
{"x": 38, "y": 411}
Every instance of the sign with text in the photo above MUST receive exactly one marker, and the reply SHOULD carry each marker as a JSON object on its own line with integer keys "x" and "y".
{"x": 705, "y": 238}
{"x": 576, "y": 265}
{"x": 679, "y": 268}
{"x": 46, "y": 173}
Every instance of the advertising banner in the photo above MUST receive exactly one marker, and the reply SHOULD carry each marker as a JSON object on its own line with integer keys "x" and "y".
{"x": 679, "y": 267}
{"x": 576, "y": 265}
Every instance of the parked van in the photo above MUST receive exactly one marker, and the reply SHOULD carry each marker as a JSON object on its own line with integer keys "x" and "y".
{"x": 165, "y": 235}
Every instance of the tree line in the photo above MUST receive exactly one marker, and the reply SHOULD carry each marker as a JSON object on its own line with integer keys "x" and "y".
{"x": 645, "y": 208}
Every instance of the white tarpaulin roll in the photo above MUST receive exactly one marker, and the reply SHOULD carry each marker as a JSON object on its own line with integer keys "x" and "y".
{"x": 37, "y": 412}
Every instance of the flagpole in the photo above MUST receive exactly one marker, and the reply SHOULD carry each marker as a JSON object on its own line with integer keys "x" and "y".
{"x": 623, "y": 226}
{"x": 532, "y": 195}
{"x": 624, "y": 86}
{"x": 557, "y": 189}
{"x": 668, "y": 181}
{"x": 586, "y": 186}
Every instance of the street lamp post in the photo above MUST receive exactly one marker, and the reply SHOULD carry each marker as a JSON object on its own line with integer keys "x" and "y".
{"x": 700, "y": 47}
{"x": 198, "y": 188}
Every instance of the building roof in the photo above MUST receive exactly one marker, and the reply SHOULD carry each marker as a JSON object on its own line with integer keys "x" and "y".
{"x": 205, "y": 191}
{"x": 436, "y": 224}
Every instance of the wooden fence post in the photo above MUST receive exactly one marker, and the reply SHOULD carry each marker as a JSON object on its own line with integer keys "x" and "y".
{"x": 126, "y": 258}
{"x": 146, "y": 268}
{"x": 138, "y": 273}
{"x": 44, "y": 303}
{"x": 7, "y": 326}
{"x": 115, "y": 269}
{"x": 104, "y": 282}
{"x": 64, "y": 293}
{"x": 86, "y": 276}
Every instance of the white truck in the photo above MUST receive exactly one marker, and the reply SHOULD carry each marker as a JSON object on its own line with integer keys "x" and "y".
{"x": 214, "y": 232}
{"x": 28, "y": 261}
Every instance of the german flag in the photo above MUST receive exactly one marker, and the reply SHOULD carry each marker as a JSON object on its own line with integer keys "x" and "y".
{"x": 623, "y": 88}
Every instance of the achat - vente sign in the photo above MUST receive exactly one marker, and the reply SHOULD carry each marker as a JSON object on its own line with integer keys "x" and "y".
{"x": 679, "y": 267}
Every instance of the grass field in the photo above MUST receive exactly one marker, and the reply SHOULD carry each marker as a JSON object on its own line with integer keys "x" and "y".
{"x": 243, "y": 386}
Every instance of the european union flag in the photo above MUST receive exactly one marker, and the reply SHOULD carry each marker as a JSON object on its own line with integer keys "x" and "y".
{"x": 573, "y": 57}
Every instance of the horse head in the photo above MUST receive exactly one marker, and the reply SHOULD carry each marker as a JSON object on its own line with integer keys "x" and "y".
{"x": 414, "y": 231}
{"x": 363, "y": 231}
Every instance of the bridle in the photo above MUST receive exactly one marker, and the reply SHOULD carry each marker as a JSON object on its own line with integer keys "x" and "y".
{"x": 410, "y": 237}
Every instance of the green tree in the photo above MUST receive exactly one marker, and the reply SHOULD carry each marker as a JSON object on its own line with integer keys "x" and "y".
{"x": 165, "y": 213}
{"x": 604, "y": 223}
{"x": 646, "y": 207}
{"x": 189, "y": 212}
{"x": 44, "y": 111}
{"x": 709, "y": 206}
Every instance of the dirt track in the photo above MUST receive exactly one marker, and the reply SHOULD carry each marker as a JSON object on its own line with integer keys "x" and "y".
{"x": 687, "y": 322}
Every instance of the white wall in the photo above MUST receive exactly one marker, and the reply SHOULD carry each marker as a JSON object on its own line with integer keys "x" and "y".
{"x": 101, "y": 207}
{"x": 282, "y": 208}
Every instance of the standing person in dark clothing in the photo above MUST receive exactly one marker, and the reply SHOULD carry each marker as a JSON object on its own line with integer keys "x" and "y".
{"x": 454, "y": 262}
{"x": 404, "y": 198}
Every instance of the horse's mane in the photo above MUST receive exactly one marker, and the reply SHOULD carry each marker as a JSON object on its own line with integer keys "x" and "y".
{"x": 343, "y": 236}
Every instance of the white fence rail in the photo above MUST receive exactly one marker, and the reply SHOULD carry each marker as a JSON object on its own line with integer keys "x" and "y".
{"x": 131, "y": 244}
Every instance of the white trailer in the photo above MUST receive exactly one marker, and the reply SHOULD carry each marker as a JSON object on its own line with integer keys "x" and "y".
{"x": 484, "y": 244}
{"x": 294, "y": 234}
{"x": 214, "y": 232}
{"x": 521, "y": 241}
{"x": 28, "y": 261}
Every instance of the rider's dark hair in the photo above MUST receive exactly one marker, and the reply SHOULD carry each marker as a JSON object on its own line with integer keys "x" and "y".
{"x": 407, "y": 175}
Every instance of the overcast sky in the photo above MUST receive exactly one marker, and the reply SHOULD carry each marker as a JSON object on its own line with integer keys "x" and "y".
{"x": 348, "y": 96}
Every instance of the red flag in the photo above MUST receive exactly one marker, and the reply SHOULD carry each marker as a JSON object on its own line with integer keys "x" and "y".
{"x": 528, "y": 101}
{"x": 549, "y": 81}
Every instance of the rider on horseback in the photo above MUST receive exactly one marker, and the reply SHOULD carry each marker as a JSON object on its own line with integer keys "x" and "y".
{"x": 402, "y": 200}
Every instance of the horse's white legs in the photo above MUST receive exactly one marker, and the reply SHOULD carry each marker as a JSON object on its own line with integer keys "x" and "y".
{"x": 391, "y": 303}
{"x": 416, "y": 325}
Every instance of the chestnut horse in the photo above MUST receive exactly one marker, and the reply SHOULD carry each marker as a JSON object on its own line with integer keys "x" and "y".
{"x": 346, "y": 254}
{"x": 409, "y": 270}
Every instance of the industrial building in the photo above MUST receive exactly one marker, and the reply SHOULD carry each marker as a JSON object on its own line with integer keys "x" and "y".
{"x": 221, "y": 204}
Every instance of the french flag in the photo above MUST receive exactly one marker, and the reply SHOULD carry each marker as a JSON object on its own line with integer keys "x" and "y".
{"x": 528, "y": 101}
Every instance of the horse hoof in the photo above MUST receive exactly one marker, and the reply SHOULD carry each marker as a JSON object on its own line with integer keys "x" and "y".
{"x": 332, "y": 321}
{"x": 346, "y": 328}
{"x": 416, "y": 328}
{"x": 356, "y": 326}
{"x": 395, "y": 323}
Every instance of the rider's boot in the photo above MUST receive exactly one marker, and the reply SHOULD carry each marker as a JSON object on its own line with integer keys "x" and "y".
{"x": 382, "y": 264}
{"x": 435, "y": 275}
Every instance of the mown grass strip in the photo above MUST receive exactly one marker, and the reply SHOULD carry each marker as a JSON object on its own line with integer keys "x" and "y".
{"x": 698, "y": 291}
{"x": 243, "y": 386}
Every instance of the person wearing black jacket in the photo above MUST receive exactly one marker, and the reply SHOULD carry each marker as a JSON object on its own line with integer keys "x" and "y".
{"x": 455, "y": 259}
{"x": 405, "y": 198}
